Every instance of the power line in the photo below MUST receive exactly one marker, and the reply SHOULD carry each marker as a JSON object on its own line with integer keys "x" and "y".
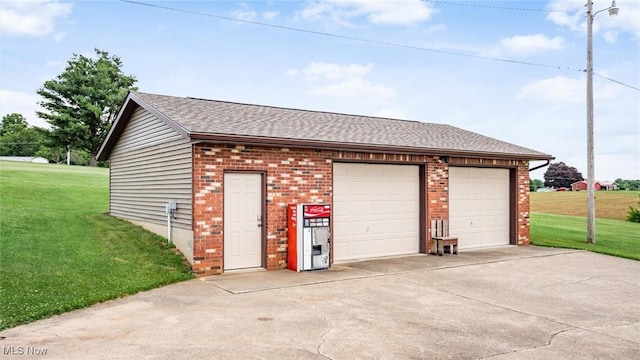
{"x": 477, "y": 5}
{"x": 345, "y": 37}
{"x": 616, "y": 81}
{"x": 378, "y": 42}
{"x": 521, "y": 9}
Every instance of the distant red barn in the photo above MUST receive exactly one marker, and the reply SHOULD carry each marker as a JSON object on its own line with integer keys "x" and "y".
{"x": 599, "y": 185}
{"x": 579, "y": 185}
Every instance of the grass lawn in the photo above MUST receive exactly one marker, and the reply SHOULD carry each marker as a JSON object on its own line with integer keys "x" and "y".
{"x": 613, "y": 237}
{"x": 59, "y": 250}
{"x": 612, "y": 205}
{"x": 558, "y": 219}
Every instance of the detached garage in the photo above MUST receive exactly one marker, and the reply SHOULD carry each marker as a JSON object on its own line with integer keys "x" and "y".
{"x": 231, "y": 169}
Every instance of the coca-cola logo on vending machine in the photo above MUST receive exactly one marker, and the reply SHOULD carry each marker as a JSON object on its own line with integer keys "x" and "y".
{"x": 315, "y": 211}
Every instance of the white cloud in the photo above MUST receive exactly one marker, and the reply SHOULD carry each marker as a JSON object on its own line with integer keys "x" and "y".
{"x": 246, "y": 15}
{"x": 342, "y": 80}
{"x": 355, "y": 87}
{"x": 434, "y": 29}
{"x": 530, "y": 44}
{"x": 333, "y": 72}
{"x": 315, "y": 10}
{"x": 270, "y": 14}
{"x": 21, "y": 103}
{"x": 399, "y": 12}
{"x": 390, "y": 113}
{"x": 610, "y": 36}
{"x": 571, "y": 14}
{"x": 31, "y": 17}
{"x": 58, "y": 37}
{"x": 559, "y": 89}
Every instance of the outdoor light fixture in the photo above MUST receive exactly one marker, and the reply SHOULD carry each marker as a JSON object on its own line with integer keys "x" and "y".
{"x": 613, "y": 10}
{"x": 591, "y": 203}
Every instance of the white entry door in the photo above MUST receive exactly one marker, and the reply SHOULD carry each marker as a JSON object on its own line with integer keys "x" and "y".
{"x": 242, "y": 221}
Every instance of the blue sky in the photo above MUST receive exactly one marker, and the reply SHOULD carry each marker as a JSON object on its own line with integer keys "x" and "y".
{"x": 186, "y": 54}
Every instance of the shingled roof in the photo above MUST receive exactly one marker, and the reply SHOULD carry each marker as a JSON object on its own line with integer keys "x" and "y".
{"x": 228, "y": 122}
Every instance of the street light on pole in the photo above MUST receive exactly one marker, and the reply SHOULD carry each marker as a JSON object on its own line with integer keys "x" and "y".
{"x": 591, "y": 204}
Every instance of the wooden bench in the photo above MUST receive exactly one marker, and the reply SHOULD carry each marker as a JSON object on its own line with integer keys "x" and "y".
{"x": 440, "y": 238}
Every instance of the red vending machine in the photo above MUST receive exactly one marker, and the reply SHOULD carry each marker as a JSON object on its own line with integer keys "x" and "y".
{"x": 309, "y": 236}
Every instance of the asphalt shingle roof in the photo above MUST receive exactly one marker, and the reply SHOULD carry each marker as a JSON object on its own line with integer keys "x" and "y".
{"x": 199, "y": 117}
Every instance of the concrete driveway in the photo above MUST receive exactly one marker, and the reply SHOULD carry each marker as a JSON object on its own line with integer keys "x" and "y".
{"x": 505, "y": 303}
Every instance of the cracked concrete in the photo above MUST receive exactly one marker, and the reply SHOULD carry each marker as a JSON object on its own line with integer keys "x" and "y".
{"x": 324, "y": 318}
{"x": 529, "y": 348}
{"x": 322, "y": 338}
{"x": 505, "y": 303}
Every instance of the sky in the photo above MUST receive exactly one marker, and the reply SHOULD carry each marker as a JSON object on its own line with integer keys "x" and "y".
{"x": 512, "y": 70}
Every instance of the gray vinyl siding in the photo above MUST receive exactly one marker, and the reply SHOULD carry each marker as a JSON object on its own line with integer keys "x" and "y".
{"x": 151, "y": 165}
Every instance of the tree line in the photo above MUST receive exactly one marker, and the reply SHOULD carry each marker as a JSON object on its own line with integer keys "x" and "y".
{"x": 628, "y": 184}
{"x": 561, "y": 175}
{"x": 79, "y": 105}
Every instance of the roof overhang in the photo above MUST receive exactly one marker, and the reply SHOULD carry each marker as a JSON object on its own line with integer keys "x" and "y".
{"x": 369, "y": 148}
{"x": 132, "y": 101}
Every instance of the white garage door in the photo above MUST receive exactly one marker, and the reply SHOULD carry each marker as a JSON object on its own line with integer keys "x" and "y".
{"x": 479, "y": 206}
{"x": 376, "y": 210}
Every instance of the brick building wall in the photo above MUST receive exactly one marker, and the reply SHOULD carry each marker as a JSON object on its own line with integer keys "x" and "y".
{"x": 304, "y": 175}
{"x": 522, "y": 178}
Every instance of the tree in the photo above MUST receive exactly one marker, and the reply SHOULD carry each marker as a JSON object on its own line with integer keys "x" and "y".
{"x": 535, "y": 184}
{"x": 82, "y": 102}
{"x": 10, "y": 121}
{"x": 18, "y": 139}
{"x": 561, "y": 175}
{"x": 628, "y": 184}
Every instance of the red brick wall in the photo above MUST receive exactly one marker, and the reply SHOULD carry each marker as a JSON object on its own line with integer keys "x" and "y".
{"x": 522, "y": 176}
{"x": 437, "y": 190}
{"x": 291, "y": 176}
{"x": 300, "y": 175}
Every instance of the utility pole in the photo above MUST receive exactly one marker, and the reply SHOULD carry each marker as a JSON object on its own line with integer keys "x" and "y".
{"x": 591, "y": 201}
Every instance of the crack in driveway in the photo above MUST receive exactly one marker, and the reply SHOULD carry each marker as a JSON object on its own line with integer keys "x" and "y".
{"x": 534, "y": 315}
{"x": 530, "y": 347}
{"x": 593, "y": 330}
{"x": 324, "y": 317}
{"x": 580, "y": 281}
